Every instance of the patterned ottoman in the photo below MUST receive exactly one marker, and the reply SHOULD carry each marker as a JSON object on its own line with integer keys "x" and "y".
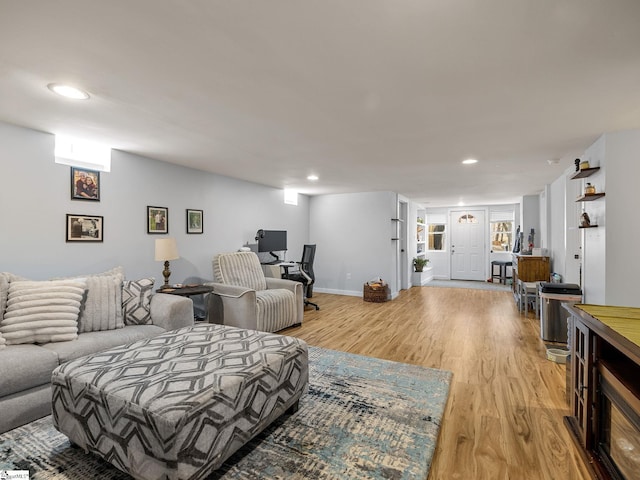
{"x": 176, "y": 406}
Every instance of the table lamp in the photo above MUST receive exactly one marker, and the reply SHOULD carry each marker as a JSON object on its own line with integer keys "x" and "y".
{"x": 166, "y": 249}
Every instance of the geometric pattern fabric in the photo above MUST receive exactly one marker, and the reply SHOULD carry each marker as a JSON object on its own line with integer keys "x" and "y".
{"x": 179, "y": 404}
{"x": 136, "y": 301}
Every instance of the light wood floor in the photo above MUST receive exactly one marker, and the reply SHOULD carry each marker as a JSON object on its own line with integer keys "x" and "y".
{"x": 504, "y": 415}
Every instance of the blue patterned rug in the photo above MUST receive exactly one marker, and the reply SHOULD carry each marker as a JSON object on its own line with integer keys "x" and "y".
{"x": 363, "y": 418}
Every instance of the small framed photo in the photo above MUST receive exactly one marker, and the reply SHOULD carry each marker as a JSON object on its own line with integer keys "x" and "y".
{"x": 157, "y": 220}
{"x": 85, "y": 184}
{"x": 194, "y": 221}
{"x": 84, "y": 228}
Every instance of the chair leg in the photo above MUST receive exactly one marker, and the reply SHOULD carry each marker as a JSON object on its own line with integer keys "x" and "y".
{"x": 307, "y": 302}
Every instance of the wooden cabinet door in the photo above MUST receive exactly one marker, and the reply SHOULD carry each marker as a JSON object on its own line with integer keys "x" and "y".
{"x": 581, "y": 371}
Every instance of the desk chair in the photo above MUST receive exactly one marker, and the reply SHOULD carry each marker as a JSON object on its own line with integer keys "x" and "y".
{"x": 305, "y": 274}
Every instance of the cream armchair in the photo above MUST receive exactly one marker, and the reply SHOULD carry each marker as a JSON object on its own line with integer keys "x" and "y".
{"x": 243, "y": 297}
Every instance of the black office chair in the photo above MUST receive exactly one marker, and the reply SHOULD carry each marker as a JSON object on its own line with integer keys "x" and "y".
{"x": 305, "y": 273}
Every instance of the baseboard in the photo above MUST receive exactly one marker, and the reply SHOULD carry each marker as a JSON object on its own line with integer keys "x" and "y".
{"x": 349, "y": 293}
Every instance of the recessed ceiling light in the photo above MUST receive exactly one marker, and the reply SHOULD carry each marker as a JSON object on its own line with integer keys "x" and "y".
{"x": 469, "y": 161}
{"x": 68, "y": 91}
{"x": 313, "y": 178}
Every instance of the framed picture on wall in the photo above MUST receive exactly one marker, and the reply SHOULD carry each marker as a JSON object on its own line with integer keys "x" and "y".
{"x": 85, "y": 184}
{"x": 84, "y": 228}
{"x": 194, "y": 221}
{"x": 157, "y": 220}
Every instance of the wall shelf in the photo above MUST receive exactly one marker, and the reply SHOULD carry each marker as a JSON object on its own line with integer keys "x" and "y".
{"x": 590, "y": 197}
{"x": 589, "y": 226}
{"x": 584, "y": 173}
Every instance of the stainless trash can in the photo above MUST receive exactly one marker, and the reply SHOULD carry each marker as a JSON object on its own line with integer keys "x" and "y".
{"x": 553, "y": 318}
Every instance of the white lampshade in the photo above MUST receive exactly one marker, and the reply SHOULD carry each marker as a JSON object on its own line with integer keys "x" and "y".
{"x": 166, "y": 249}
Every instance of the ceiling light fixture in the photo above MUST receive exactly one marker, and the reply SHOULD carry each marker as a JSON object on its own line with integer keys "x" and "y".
{"x": 469, "y": 161}
{"x": 68, "y": 91}
{"x": 313, "y": 178}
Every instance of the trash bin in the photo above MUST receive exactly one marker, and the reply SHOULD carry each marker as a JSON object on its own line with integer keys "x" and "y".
{"x": 553, "y": 318}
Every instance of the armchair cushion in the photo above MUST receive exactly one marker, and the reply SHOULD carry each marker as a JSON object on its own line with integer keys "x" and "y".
{"x": 239, "y": 268}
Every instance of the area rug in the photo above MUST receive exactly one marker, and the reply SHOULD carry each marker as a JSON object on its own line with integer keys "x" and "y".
{"x": 362, "y": 418}
{"x": 475, "y": 285}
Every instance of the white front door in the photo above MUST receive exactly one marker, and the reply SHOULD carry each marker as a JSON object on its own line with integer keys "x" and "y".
{"x": 468, "y": 240}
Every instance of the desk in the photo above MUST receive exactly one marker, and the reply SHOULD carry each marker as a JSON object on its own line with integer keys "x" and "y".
{"x": 278, "y": 270}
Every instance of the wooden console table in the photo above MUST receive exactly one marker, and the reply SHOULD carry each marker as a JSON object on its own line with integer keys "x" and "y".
{"x": 604, "y": 388}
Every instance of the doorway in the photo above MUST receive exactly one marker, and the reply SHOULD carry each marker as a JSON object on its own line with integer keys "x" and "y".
{"x": 468, "y": 245}
{"x": 402, "y": 260}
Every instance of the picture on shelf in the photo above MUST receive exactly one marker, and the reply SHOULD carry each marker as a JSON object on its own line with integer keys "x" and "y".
{"x": 157, "y": 220}
{"x": 84, "y": 228}
{"x": 85, "y": 184}
{"x": 194, "y": 221}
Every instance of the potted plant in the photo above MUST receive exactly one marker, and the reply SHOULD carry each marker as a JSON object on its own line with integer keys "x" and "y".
{"x": 419, "y": 263}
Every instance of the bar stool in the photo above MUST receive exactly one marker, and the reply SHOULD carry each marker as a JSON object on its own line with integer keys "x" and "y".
{"x": 502, "y": 270}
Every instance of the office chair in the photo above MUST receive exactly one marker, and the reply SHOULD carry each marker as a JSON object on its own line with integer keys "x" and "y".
{"x": 305, "y": 274}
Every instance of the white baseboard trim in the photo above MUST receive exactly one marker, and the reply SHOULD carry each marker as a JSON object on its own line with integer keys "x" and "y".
{"x": 349, "y": 293}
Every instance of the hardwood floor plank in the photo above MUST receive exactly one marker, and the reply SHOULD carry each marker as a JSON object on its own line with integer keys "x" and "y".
{"x": 504, "y": 415}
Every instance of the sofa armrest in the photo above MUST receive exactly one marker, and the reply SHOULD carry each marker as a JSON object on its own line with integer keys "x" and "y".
{"x": 282, "y": 283}
{"x": 233, "y": 305}
{"x": 171, "y": 311}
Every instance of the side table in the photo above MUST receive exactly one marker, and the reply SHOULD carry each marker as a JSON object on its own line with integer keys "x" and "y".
{"x": 187, "y": 291}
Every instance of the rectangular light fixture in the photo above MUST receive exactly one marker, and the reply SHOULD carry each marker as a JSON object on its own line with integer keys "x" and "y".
{"x": 82, "y": 153}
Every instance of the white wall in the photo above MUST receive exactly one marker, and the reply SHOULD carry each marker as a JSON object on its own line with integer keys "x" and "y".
{"x": 595, "y": 250}
{"x": 609, "y": 258}
{"x": 620, "y": 223}
{"x": 35, "y": 197}
{"x": 353, "y": 233}
{"x": 530, "y": 219}
{"x": 556, "y": 218}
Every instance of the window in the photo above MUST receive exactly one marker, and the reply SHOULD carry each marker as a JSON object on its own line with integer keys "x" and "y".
{"x": 501, "y": 227}
{"x": 436, "y": 236}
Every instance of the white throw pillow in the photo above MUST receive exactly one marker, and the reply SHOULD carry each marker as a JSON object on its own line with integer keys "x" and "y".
{"x": 102, "y": 308}
{"x": 5, "y": 279}
{"x": 42, "y": 312}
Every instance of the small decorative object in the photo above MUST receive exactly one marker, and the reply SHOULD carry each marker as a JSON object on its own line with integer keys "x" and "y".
{"x": 532, "y": 236}
{"x": 166, "y": 249}
{"x": 85, "y": 184}
{"x": 419, "y": 263}
{"x": 584, "y": 165}
{"x": 84, "y": 228}
{"x": 157, "y": 220}
{"x": 194, "y": 221}
{"x": 577, "y": 162}
{"x": 585, "y": 221}
{"x": 589, "y": 189}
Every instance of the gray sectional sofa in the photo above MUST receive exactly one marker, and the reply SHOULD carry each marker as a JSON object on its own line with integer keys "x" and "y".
{"x": 38, "y": 333}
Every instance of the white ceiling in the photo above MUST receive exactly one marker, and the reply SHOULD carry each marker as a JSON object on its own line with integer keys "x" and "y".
{"x": 367, "y": 94}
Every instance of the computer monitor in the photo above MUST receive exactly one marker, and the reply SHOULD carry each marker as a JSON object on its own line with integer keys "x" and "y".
{"x": 272, "y": 240}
